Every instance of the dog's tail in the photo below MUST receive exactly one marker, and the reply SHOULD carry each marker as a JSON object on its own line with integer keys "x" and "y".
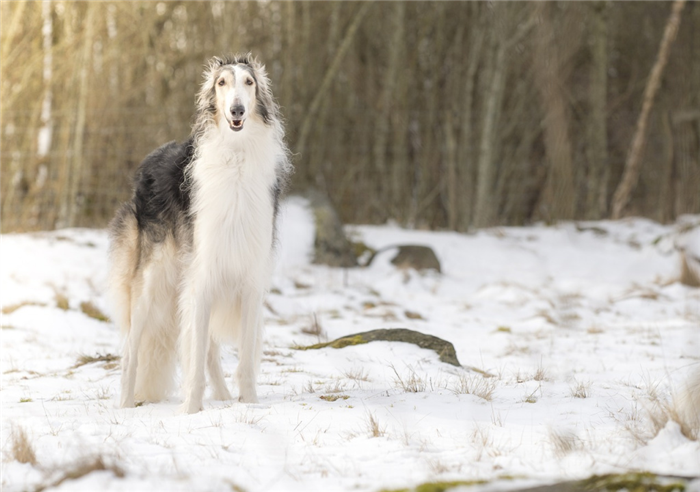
{"x": 155, "y": 377}
{"x": 156, "y": 361}
{"x": 124, "y": 261}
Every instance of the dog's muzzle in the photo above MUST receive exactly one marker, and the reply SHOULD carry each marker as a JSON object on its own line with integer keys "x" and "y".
{"x": 236, "y": 122}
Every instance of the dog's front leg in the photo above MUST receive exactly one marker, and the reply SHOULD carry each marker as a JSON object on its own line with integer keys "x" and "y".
{"x": 250, "y": 348}
{"x": 216, "y": 374}
{"x": 194, "y": 350}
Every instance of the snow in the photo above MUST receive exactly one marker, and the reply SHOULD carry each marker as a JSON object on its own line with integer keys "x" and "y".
{"x": 587, "y": 309}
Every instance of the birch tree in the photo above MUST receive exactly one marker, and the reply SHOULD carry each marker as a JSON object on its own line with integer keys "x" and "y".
{"x": 634, "y": 155}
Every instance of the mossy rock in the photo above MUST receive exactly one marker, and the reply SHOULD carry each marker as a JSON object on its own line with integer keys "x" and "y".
{"x": 439, "y": 486}
{"x": 630, "y": 482}
{"x": 363, "y": 253}
{"x": 416, "y": 257}
{"x": 411, "y": 256}
{"x": 331, "y": 246}
{"x": 444, "y": 349}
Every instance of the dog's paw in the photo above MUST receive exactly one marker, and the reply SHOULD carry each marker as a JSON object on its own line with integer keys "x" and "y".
{"x": 222, "y": 394}
{"x": 248, "y": 398}
{"x": 127, "y": 403}
{"x": 191, "y": 407}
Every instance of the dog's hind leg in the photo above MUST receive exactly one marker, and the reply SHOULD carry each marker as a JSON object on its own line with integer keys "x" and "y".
{"x": 139, "y": 315}
{"x": 216, "y": 374}
{"x": 250, "y": 346}
{"x": 158, "y": 347}
{"x": 155, "y": 376}
{"x": 125, "y": 285}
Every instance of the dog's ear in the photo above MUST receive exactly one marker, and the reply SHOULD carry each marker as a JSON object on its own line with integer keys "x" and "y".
{"x": 266, "y": 106}
{"x": 259, "y": 72}
{"x": 207, "y": 91}
{"x": 244, "y": 59}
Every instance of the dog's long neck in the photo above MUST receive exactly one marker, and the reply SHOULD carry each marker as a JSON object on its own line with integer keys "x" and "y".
{"x": 251, "y": 153}
{"x": 233, "y": 171}
{"x": 233, "y": 180}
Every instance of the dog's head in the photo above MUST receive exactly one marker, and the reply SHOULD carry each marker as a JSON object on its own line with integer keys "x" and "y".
{"x": 235, "y": 90}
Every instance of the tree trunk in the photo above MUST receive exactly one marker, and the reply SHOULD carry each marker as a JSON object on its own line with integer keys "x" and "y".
{"x": 558, "y": 199}
{"x": 485, "y": 206}
{"x": 331, "y": 72}
{"x": 71, "y": 202}
{"x": 634, "y": 155}
{"x": 465, "y": 152}
{"x": 381, "y": 134}
{"x": 44, "y": 137}
{"x": 598, "y": 170}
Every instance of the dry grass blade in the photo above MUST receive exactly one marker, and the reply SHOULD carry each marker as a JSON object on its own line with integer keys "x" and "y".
{"x": 412, "y": 384}
{"x": 540, "y": 374}
{"x": 563, "y": 442}
{"x": 11, "y": 308}
{"x": 20, "y": 448}
{"x": 580, "y": 389}
{"x": 93, "y": 311}
{"x": 61, "y": 301}
{"x": 333, "y": 397}
{"x": 663, "y": 412}
{"x": 83, "y": 469}
{"x": 90, "y": 359}
{"x": 476, "y": 385}
{"x": 315, "y": 329}
{"x": 356, "y": 374}
{"x": 413, "y": 315}
{"x": 375, "y": 429}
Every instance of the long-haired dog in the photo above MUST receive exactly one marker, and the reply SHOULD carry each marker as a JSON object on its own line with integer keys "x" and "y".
{"x": 192, "y": 252}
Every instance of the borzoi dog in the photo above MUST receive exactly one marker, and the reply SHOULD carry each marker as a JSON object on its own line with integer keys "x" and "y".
{"x": 192, "y": 252}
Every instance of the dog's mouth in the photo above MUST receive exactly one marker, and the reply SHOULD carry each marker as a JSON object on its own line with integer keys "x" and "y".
{"x": 236, "y": 125}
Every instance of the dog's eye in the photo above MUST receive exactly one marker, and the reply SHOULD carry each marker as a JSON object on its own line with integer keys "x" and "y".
{"x": 222, "y": 82}
{"x": 249, "y": 82}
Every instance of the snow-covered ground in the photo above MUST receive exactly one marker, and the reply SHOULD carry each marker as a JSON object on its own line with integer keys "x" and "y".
{"x": 571, "y": 337}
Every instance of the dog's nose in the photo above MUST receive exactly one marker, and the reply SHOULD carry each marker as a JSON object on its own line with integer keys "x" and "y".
{"x": 237, "y": 111}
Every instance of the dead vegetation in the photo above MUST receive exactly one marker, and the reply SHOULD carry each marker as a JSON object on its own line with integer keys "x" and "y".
{"x": 540, "y": 373}
{"x": 11, "y": 308}
{"x": 61, "y": 301}
{"x": 663, "y": 412}
{"x": 356, "y": 374}
{"x": 564, "y": 442}
{"x": 413, "y": 383}
{"x": 333, "y": 397}
{"x": 375, "y": 429}
{"x": 690, "y": 270}
{"x": 477, "y": 385}
{"x": 81, "y": 469}
{"x": 645, "y": 420}
{"x": 413, "y": 315}
{"x": 20, "y": 448}
{"x": 580, "y": 389}
{"x": 315, "y": 329}
{"x": 89, "y": 309}
{"x": 91, "y": 359}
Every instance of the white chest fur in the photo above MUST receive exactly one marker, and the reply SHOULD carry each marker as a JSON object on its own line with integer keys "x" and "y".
{"x": 232, "y": 205}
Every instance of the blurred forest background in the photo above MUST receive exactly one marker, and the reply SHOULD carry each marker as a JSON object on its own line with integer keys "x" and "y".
{"x": 435, "y": 114}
